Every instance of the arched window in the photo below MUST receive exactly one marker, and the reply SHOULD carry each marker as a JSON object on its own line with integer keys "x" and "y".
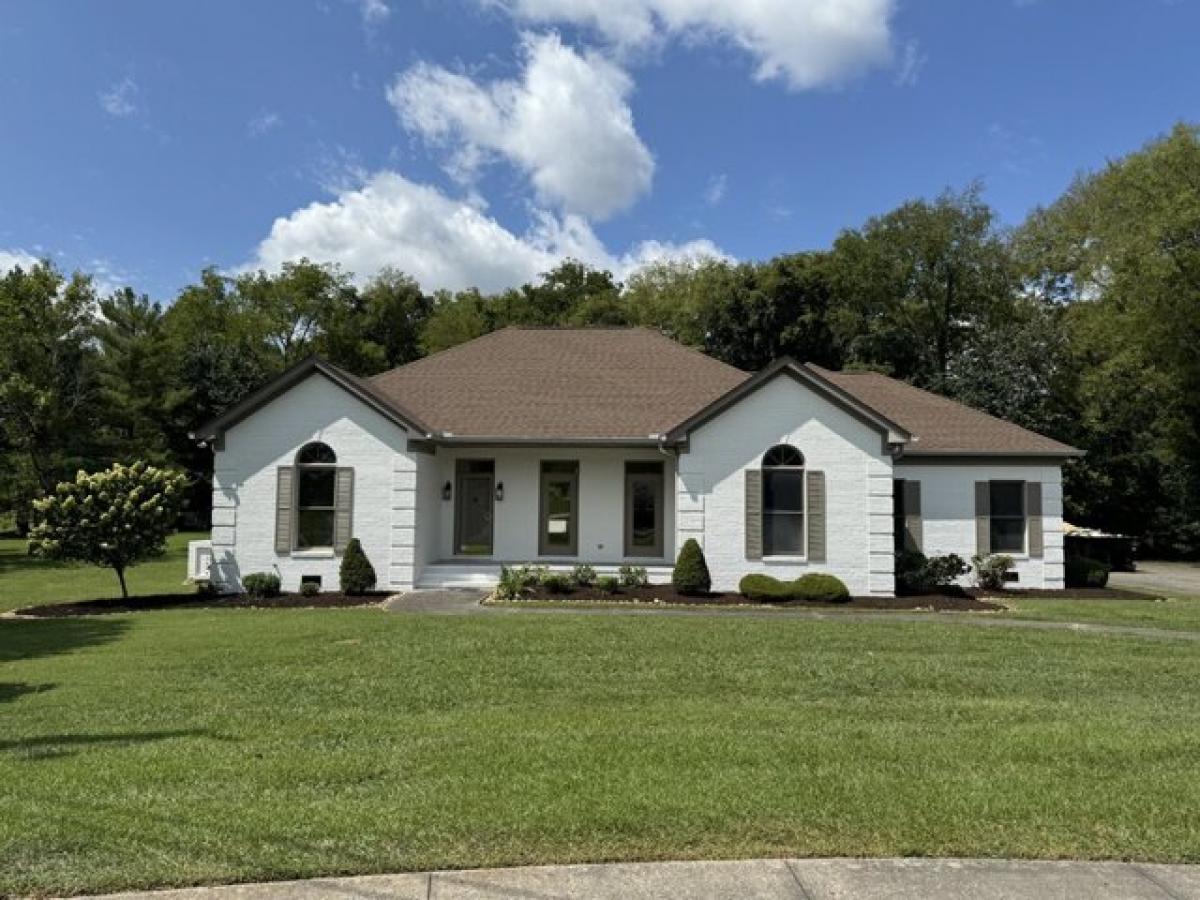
{"x": 316, "y": 483}
{"x": 783, "y": 501}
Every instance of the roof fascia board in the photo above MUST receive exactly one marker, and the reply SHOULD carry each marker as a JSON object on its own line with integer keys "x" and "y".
{"x": 893, "y": 433}
{"x": 214, "y": 429}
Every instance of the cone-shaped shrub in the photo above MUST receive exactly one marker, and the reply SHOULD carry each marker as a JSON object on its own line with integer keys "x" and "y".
{"x": 691, "y": 571}
{"x": 357, "y": 574}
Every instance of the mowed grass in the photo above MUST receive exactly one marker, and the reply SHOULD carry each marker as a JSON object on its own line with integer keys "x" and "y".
{"x": 28, "y": 581}
{"x": 1176, "y": 614}
{"x": 186, "y": 747}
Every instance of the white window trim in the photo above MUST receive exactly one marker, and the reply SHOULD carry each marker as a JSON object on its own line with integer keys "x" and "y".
{"x": 792, "y": 558}
{"x": 322, "y": 551}
{"x": 1023, "y": 553}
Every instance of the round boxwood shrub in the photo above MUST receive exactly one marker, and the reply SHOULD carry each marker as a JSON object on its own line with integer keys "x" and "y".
{"x": 261, "y": 584}
{"x": 820, "y": 588}
{"x": 1083, "y": 572}
{"x": 691, "y": 571}
{"x": 357, "y": 575}
{"x": 764, "y": 589}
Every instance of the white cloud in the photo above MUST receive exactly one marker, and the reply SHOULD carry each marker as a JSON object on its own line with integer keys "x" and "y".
{"x": 566, "y": 123}
{"x": 11, "y": 258}
{"x": 373, "y": 12}
{"x": 121, "y": 98}
{"x": 263, "y": 123}
{"x": 912, "y": 61}
{"x": 714, "y": 191}
{"x": 804, "y": 43}
{"x": 443, "y": 242}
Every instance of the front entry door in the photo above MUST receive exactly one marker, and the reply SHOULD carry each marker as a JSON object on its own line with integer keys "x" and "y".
{"x": 644, "y": 509}
{"x": 474, "y": 511}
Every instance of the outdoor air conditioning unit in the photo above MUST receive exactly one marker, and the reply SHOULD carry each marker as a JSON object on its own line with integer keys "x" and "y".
{"x": 200, "y": 557}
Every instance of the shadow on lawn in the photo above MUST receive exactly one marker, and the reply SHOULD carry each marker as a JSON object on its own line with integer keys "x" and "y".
{"x": 22, "y": 639}
{"x": 51, "y": 746}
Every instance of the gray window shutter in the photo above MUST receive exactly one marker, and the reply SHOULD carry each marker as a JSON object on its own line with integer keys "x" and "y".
{"x": 285, "y": 508}
{"x": 1033, "y": 518}
{"x": 914, "y": 537}
{"x": 343, "y": 515}
{"x": 983, "y": 515}
{"x": 816, "y": 516}
{"x": 753, "y": 505}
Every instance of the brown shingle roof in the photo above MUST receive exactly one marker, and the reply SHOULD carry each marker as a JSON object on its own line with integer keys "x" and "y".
{"x": 560, "y": 383}
{"x": 631, "y": 383}
{"x": 940, "y": 425}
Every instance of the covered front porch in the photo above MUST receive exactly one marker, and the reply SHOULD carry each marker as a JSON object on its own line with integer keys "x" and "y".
{"x": 482, "y": 507}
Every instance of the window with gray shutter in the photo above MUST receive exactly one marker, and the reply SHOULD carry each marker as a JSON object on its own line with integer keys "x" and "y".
{"x": 907, "y": 532}
{"x": 285, "y": 481}
{"x": 983, "y": 517}
{"x": 1033, "y": 518}
{"x": 343, "y": 511}
{"x": 753, "y": 507}
{"x": 816, "y": 516}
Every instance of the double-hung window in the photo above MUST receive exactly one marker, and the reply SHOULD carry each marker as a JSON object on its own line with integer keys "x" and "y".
{"x": 1007, "y": 516}
{"x": 783, "y": 501}
{"x": 316, "y": 489}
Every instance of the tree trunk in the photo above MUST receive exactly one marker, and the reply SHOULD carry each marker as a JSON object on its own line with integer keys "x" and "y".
{"x": 121, "y": 578}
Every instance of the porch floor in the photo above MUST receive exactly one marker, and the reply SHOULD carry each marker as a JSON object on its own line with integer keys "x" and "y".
{"x": 485, "y": 573}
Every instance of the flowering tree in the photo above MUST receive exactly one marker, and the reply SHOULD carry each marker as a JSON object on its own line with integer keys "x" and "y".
{"x": 116, "y": 518}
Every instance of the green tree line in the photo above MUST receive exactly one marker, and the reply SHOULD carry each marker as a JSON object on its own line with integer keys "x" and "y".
{"x": 1082, "y": 323}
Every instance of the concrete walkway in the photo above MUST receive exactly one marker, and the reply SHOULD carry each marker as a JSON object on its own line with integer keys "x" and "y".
{"x": 768, "y": 879}
{"x": 467, "y": 603}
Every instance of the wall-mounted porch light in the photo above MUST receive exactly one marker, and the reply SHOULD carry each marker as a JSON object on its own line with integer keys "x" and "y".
{"x": 499, "y": 491}
{"x": 447, "y": 491}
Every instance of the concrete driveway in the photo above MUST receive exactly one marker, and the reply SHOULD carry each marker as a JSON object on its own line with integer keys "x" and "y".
{"x": 1169, "y": 579}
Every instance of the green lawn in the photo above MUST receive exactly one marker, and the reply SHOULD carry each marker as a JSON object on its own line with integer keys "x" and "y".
{"x": 26, "y": 581}
{"x": 1179, "y": 614}
{"x": 197, "y": 746}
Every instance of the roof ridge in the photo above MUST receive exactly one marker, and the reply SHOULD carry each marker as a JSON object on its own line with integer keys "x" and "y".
{"x": 438, "y": 354}
{"x": 670, "y": 340}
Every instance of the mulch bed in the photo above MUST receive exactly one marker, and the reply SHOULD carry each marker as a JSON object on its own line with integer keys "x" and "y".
{"x": 666, "y": 594}
{"x": 1105, "y": 593}
{"x": 107, "y": 606}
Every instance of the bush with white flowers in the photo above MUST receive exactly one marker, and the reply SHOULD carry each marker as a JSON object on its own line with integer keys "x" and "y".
{"x": 116, "y": 518}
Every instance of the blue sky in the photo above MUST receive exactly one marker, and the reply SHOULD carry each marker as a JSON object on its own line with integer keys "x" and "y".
{"x": 476, "y": 141}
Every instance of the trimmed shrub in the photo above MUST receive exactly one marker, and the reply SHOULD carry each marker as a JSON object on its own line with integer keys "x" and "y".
{"x": 356, "y": 574}
{"x": 990, "y": 570}
{"x": 261, "y": 584}
{"x": 1086, "y": 573}
{"x": 309, "y": 588}
{"x": 764, "y": 589}
{"x": 918, "y": 574}
{"x": 910, "y": 572}
{"x": 584, "y": 576}
{"x": 608, "y": 584}
{"x": 633, "y": 576}
{"x": 690, "y": 575}
{"x": 816, "y": 587}
{"x": 557, "y": 584}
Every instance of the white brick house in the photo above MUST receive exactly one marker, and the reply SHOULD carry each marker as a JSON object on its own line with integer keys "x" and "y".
{"x": 614, "y": 446}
